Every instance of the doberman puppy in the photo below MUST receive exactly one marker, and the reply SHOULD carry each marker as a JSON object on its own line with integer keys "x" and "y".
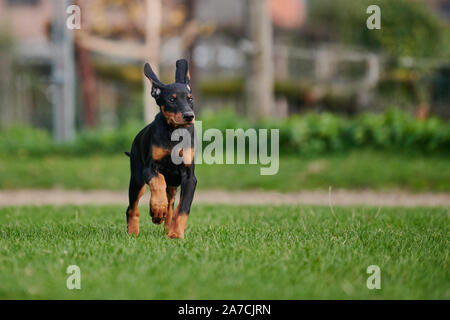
{"x": 151, "y": 156}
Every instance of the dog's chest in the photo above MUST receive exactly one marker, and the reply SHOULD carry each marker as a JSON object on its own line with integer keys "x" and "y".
{"x": 173, "y": 155}
{"x": 160, "y": 153}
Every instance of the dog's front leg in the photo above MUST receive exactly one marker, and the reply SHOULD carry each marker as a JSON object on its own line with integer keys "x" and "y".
{"x": 179, "y": 221}
{"x": 170, "y": 192}
{"x": 158, "y": 198}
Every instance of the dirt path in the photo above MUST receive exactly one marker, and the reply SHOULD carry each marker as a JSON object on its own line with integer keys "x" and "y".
{"x": 337, "y": 197}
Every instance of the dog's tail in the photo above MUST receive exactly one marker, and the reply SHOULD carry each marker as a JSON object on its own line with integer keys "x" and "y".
{"x": 127, "y": 154}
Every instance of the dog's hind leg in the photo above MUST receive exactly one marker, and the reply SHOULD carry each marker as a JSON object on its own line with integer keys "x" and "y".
{"x": 180, "y": 217}
{"x": 135, "y": 192}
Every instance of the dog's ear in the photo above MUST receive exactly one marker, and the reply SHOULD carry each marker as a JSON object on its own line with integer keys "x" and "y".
{"x": 181, "y": 74}
{"x": 156, "y": 84}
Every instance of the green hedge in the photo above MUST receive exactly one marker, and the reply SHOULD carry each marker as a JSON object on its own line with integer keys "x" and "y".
{"x": 326, "y": 132}
{"x": 310, "y": 133}
{"x": 25, "y": 141}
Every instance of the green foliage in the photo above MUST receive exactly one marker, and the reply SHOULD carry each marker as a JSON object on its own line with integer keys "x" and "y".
{"x": 408, "y": 28}
{"x": 234, "y": 86}
{"x": 6, "y": 41}
{"x": 311, "y": 133}
{"x": 314, "y": 133}
{"x": 21, "y": 140}
{"x": 107, "y": 141}
{"x": 26, "y": 141}
{"x": 222, "y": 87}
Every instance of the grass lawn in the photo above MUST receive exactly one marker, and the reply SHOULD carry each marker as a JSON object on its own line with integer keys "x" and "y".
{"x": 230, "y": 252}
{"x": 357, "y": 170}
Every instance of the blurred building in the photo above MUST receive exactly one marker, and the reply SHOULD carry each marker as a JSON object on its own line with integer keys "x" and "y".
{"x": 28, "y": 23}
{"x": 213, "y": 33}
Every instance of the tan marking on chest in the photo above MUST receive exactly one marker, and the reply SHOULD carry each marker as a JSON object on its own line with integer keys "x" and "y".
{"x": 158, "y": 153}
{"x": 188, "y": 156}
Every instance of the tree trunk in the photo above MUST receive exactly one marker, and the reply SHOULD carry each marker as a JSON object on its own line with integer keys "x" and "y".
{"x": 88, "y": 86}
{"x": 63, "y": 74}
{"x": 152, "y": 40}
{"x": 259, "y": 80}
{"x": 190, "y": 55}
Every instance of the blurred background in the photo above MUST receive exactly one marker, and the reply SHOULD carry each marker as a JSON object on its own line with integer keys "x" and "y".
{"x": 356, "y": 108}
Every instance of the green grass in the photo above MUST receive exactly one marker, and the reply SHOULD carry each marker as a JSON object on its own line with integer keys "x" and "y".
{"x": 356, "y": 170}
{"x": 229, "y": 253}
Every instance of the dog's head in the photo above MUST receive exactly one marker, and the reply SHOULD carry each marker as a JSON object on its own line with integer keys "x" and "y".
{"x": 175, "y": 99}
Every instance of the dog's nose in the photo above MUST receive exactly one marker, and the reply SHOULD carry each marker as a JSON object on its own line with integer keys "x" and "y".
{"x": 188, "y": 116}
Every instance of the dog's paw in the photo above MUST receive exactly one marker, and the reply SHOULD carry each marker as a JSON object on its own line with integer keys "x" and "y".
{"x": 176, "y": 230}
{"x": 176, "y": 234}
{"x": 158, "y": 212}
{"x": 133, "y": 226}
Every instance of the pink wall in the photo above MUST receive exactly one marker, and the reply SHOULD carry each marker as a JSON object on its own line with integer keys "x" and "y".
{"x": 26, "y": 22}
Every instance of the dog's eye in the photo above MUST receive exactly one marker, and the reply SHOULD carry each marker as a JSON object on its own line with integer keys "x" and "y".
{"x": 172, "y": 99}
{"x": 190, "y": 99}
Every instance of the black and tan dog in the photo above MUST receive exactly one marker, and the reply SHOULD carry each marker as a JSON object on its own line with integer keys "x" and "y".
{"x": 151, "y": 161}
